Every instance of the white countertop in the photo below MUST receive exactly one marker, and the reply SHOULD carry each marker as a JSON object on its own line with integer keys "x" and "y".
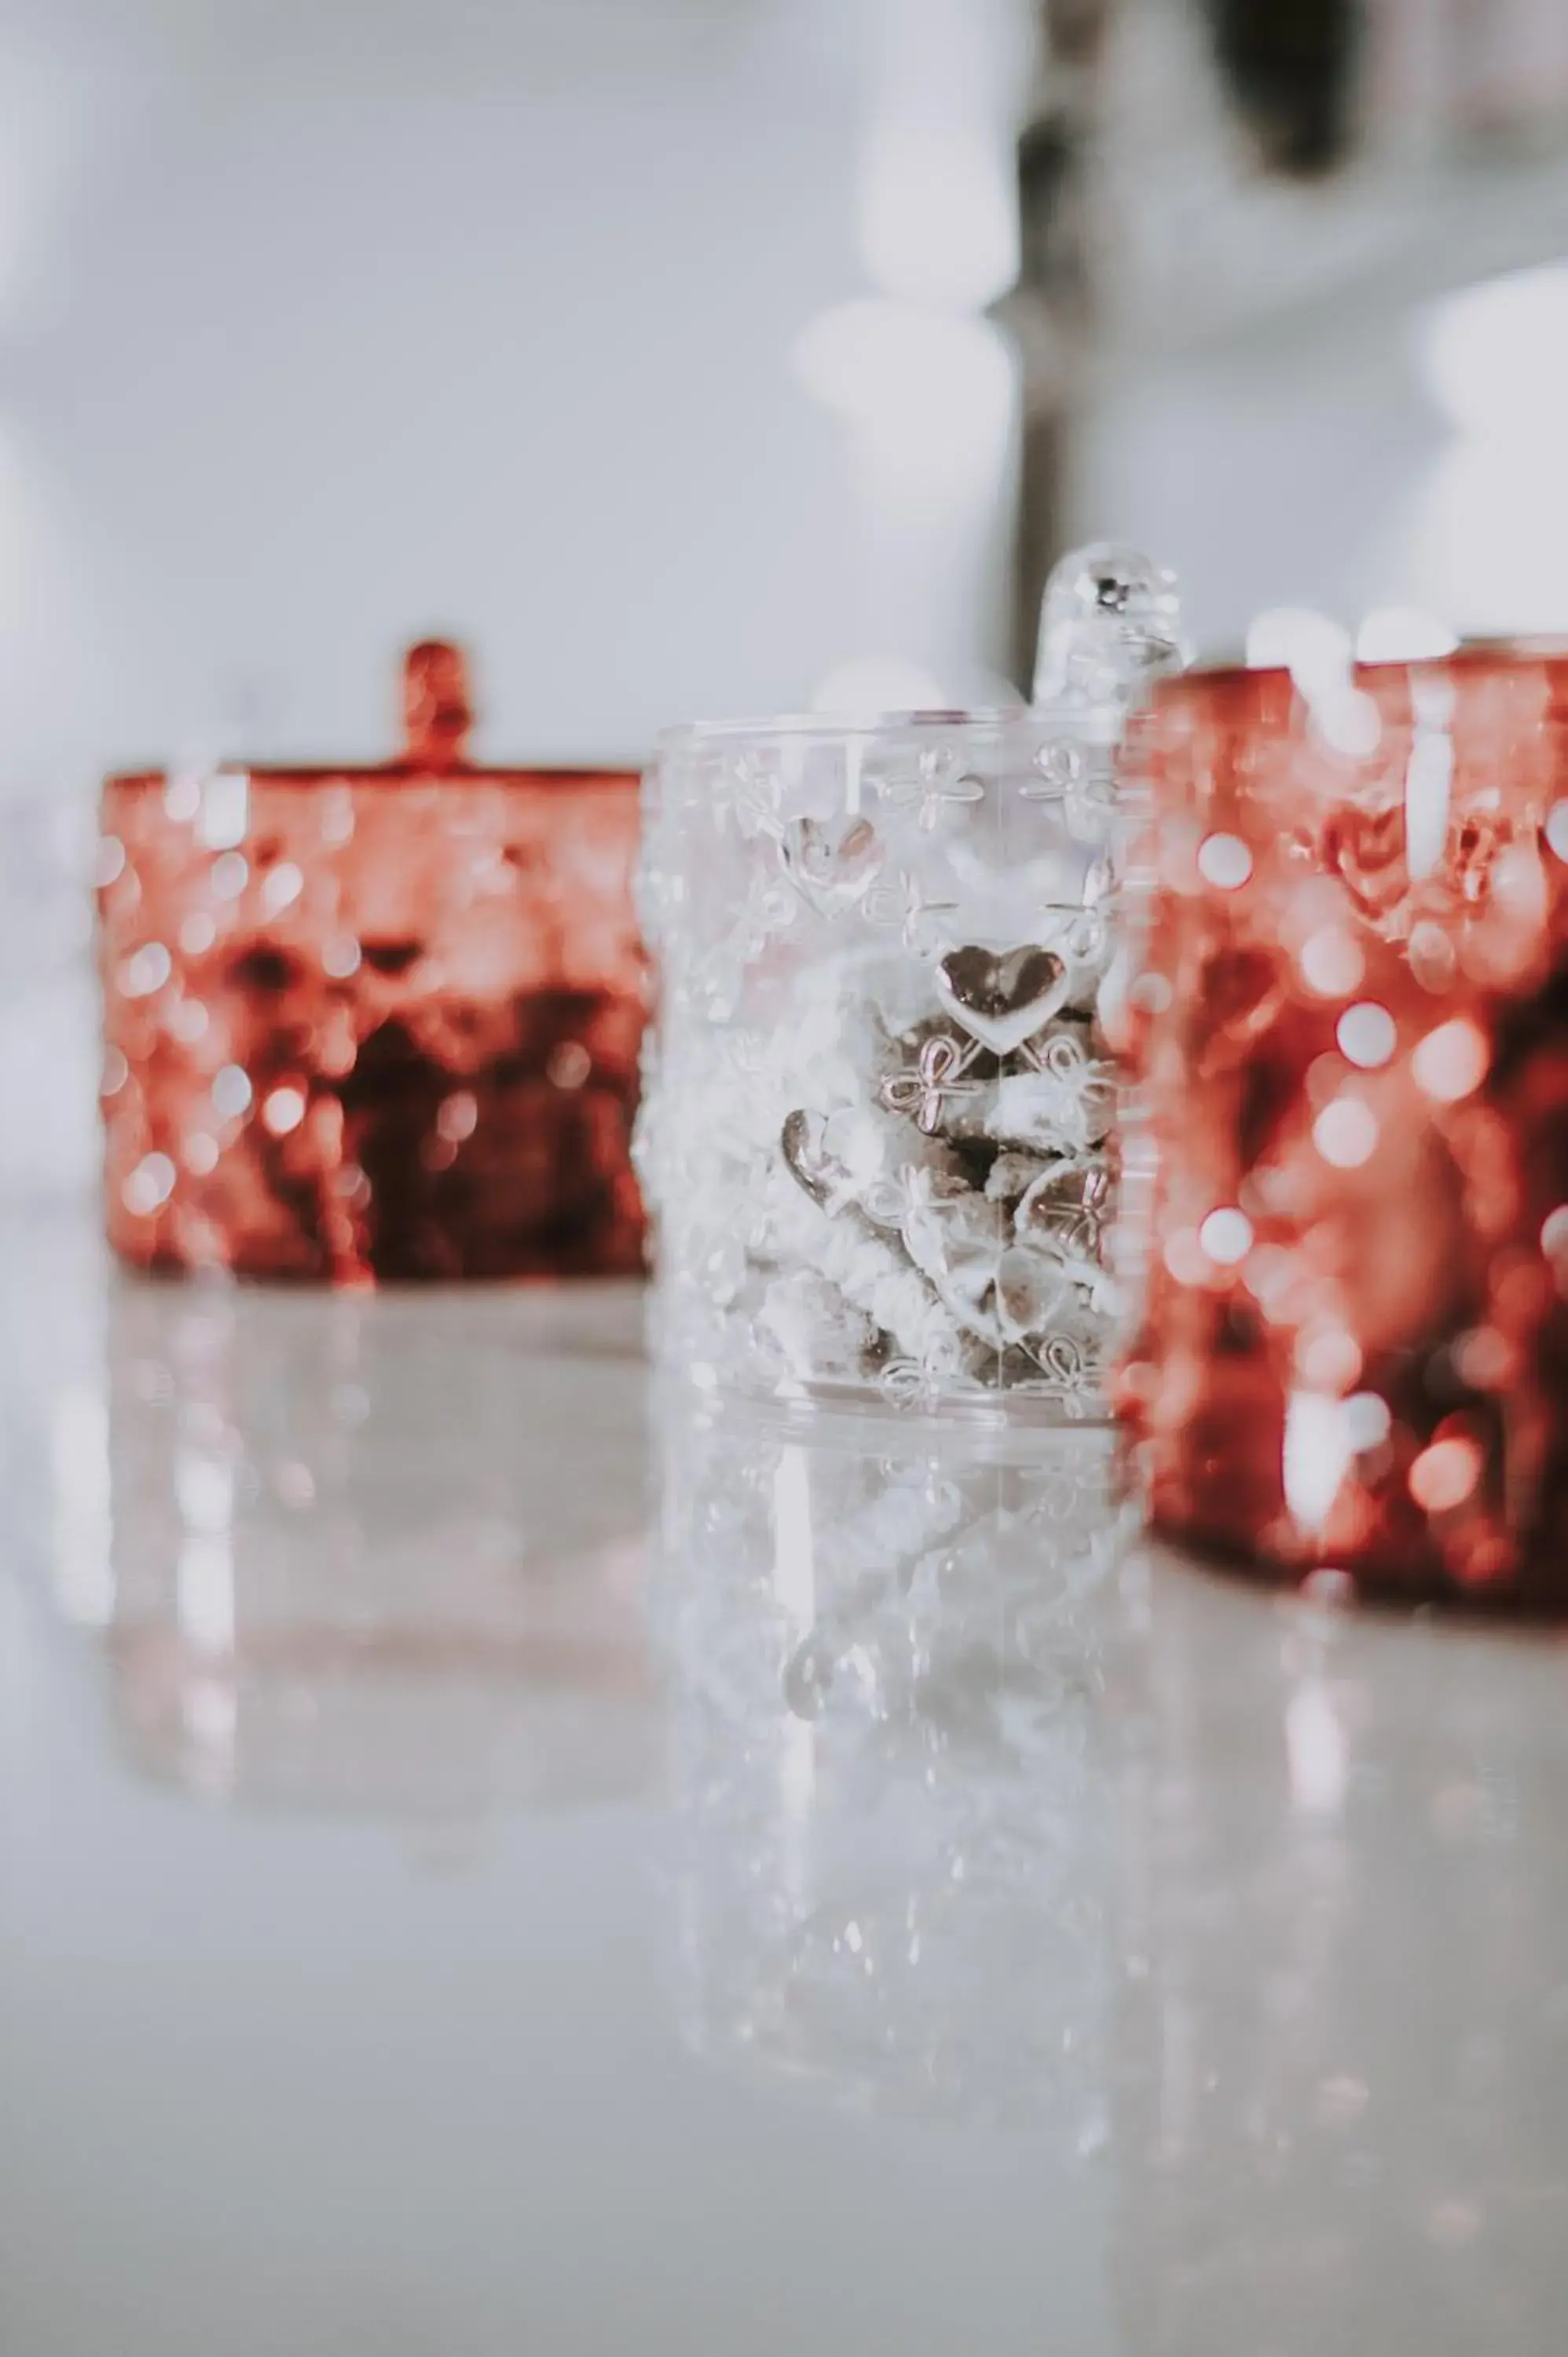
{"x": 487, "y": 1872}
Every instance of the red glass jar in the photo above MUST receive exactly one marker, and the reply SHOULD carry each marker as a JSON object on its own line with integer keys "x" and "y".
{"x": 1347, "y": 1171}
{"x": 373, "y": 1024}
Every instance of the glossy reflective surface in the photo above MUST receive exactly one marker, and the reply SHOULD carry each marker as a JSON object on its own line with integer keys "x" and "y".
{"x": 485, "y": 1867}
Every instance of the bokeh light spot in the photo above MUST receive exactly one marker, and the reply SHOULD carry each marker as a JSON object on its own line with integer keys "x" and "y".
{"x": 1186, "y": 1258}
{"x": 341, "y": 956}
{"x": 1433, "y": 958}
{"x": 458, "y": 1115}
{"x": 230, "y": 1091}
{"x": 1444, "y": 1475}
{"x": 1346, "y": 1133}
{"x": 150, "y": 1184}
{"x": 1369, "y": 1420}
{"x": 1224, "y": 861}
{"x": 1450, "y": 1062}
{"x": 1366, "y": 1035}
{"x": 1226, "y": 1236}
{"x": 1331, "y": 963}
{"x": 283, "y": 1110}
{"x": 1330, "y": 1360}
{"x": 282, "y": 887}
{"x": 146, "y": 969}
{"x": 1557, "y": 829}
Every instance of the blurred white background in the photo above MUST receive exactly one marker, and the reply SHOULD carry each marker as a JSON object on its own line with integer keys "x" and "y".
{"x": 1338, "y": 393}
{"x": 325, "y": 324}
{"x": 645, "y": 345}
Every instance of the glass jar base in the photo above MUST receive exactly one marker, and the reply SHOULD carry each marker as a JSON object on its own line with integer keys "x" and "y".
{"x": 793, "y": 1397}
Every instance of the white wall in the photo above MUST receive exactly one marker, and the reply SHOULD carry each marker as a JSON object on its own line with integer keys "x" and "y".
{"x": 1405, "y": 455}
{"x": 1297, "y": 399}
{"x": 1289, "y": 472}
{"x": 325, "y": 327}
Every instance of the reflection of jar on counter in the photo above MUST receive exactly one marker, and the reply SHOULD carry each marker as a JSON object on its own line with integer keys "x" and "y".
{"x": 373, "y": 1024}
{"x": 344, "y": 1569}
{"x": 1342, "y": 2118}
{"x": 892, "y": 1864}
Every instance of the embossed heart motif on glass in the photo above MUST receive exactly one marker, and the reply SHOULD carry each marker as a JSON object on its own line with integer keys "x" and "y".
{"x": 365, "y": 1025}
{"x": 1347, "y": 1190}
{"x": 877, "y": 1134}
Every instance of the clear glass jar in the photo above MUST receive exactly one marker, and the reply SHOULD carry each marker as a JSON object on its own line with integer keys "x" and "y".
{"x": 878, "y": 1134}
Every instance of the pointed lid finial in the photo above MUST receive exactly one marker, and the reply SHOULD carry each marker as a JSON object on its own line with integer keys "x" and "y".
{"x": 437, "y": 710}
{"x": 1110, "y": 622}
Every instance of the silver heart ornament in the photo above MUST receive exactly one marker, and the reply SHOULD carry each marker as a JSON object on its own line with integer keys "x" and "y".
{"x": 1002, "y": 997}
{"x": 831, "y": 863}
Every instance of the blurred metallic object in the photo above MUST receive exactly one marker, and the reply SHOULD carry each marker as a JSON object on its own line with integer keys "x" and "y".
{"x": 1195, "y": 175}
{"x": 1289, "y": 67}
{"x": 1049, "y": 311}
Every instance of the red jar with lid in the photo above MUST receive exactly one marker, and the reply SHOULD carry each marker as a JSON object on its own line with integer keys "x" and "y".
{"x": 1346, "y": 1171}
{"x": 366, "y": 1024}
